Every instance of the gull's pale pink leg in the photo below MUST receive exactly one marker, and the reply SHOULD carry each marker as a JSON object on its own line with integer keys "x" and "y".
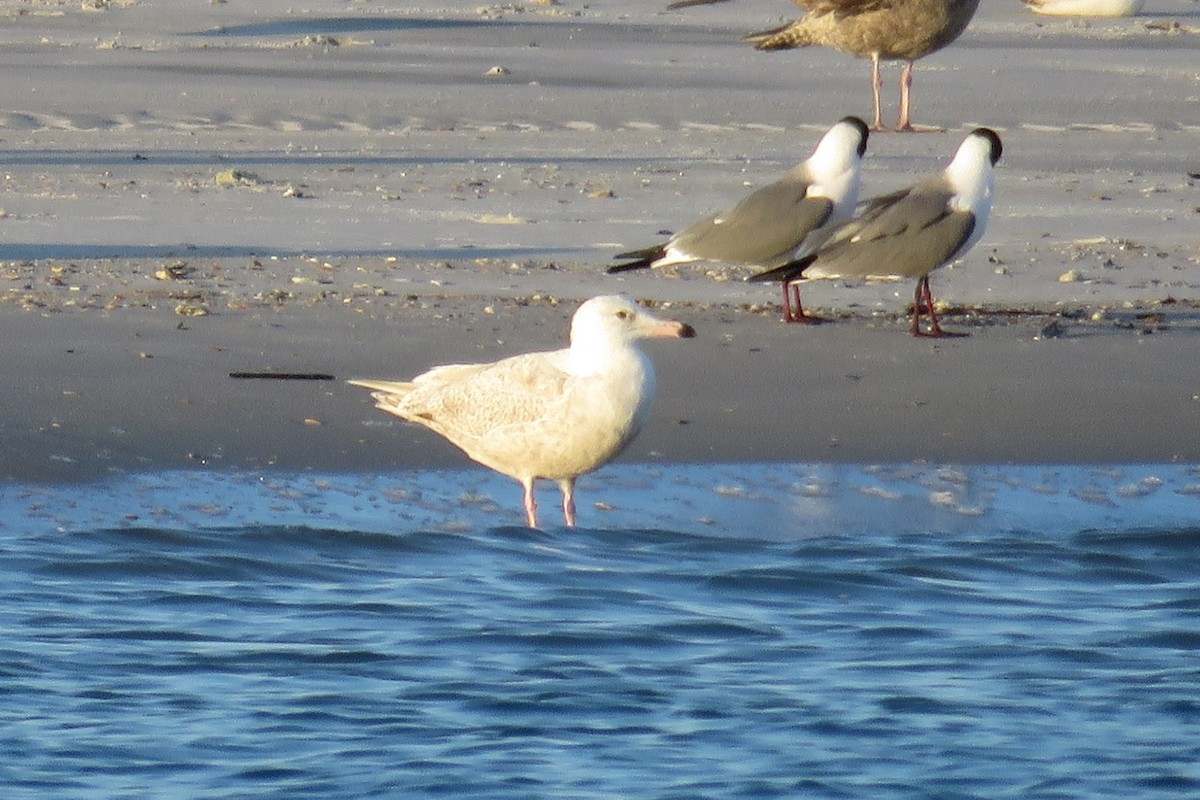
{"x": 906, "y": 78}
{"x": 876, "y": 85}
{"x": 568, "y": 492}
{"x": 530, "y": 503}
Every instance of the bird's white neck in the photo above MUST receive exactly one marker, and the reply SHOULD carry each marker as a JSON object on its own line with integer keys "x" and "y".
{"x": 832, "y": 172}
{"x": 835, "y": 155}
{"x": 620, "y": 378}
{"x": 593, "y": 358}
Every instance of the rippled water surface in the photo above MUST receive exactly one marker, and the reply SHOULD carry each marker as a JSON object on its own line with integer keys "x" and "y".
{"x": 710, "y": 632}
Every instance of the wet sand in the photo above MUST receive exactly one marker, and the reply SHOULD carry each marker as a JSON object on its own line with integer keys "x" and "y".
{"x": 394, "y": 206}
{"x": 143, "y": 390}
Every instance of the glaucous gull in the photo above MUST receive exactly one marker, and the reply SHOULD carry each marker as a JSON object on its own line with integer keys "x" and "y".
{"x": 554, "y": 415}
{"x": 910, "y": 233}
{"x": 774, "y": 224}
{"x": 1087, "y": 8}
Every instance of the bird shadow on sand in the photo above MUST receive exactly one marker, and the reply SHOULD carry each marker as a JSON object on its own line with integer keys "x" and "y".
{"x": 271, "y": 158}
{"x": 329, "y": 25}
{"x": 313, "y": 26}
{"x": 17, "y": 251}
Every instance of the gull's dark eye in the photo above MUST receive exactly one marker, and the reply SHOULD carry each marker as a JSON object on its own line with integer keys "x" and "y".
{"x": 622, "y": 315}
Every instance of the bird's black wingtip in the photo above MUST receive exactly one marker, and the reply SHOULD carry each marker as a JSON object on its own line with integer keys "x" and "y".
{"x": 617, "y": 269}
{"x": 785, "y": 272}
{"x": 637, "y": 259}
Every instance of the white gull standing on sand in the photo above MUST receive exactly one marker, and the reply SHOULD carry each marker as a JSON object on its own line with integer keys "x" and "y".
{"x": 554, "y": 415}
{"x": 778, "y": 222}
{"x": 910, "y": 233}
{"x": 1087, "y": 8}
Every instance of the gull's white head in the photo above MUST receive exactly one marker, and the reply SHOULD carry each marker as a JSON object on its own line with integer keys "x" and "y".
{"x": 612, "y": 319}
{"x": 840, "y": 149}
{"x": 973, "y": 180}
{"x": 979, "y": 152}
{"x": 604, "y": 335}
{"x": 834, "y": 168}
{"x": 971, "y": 174}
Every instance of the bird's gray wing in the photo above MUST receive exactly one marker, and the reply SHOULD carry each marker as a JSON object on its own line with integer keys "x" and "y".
{"x": 908, "y": 234}
{"x": 871, "y": 211}
{"x": 845, "y": 232}
{"x": 765, "y": 228}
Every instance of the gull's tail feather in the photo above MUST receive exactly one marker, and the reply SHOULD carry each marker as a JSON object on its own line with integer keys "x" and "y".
{"x": 785, "y": 37}
{"x": 641, "y": 259}
{"x": 784, "y": 272}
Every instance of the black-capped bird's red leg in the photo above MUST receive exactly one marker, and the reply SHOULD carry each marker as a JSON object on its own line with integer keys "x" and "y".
{"x": 925, "y": 296}
{"x": 793, "y": 309}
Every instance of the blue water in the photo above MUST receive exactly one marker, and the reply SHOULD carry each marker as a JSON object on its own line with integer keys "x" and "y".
{"x": 765, "y": 631}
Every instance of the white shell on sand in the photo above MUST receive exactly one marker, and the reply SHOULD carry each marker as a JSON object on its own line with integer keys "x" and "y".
{"x": 1087, "y": 8}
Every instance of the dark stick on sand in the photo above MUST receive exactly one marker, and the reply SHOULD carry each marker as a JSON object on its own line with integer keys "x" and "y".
{"x": 282, "y": 376}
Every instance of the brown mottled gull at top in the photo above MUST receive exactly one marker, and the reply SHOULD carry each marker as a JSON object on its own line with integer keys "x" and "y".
{"x": 881, "y": 30}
